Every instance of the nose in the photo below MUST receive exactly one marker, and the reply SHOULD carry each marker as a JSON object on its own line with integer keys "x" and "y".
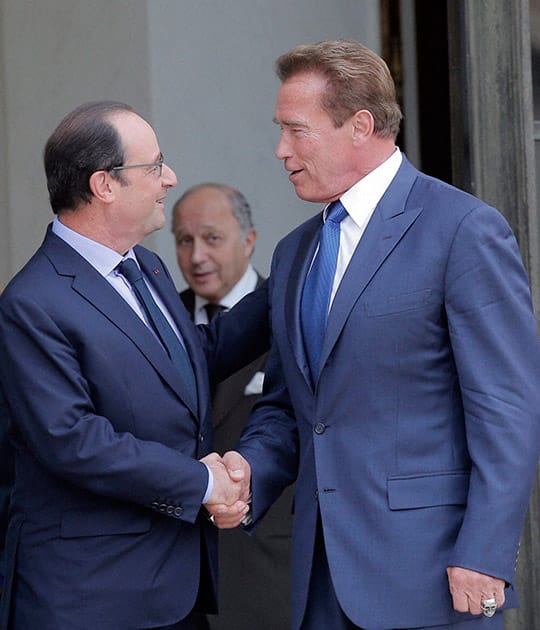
{"x": 282, "y": 150}
{"x": 168, "y": 177}
{"x": 198, "y": 251}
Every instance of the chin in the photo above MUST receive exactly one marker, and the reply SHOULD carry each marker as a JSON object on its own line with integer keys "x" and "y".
{"x": 159, "y": 222}
{"x": 308, "y": 197}
{"x": 305, "y": 195}
{"x": 314, "y": 197}
{"x": 301, "y": 195}
{"x": 202, "y": 289}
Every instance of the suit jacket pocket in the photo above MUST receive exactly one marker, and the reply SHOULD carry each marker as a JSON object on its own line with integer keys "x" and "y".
{"x": 391, "y": 304}
{"x": 106, "y": 522}
{"x": 429, "y": 490}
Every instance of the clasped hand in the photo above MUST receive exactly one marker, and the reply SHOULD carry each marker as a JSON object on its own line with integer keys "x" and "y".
{"x": 232, "y": 479}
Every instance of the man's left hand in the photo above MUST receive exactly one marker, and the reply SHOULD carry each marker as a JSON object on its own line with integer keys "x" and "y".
{"x": 468, "y": 588}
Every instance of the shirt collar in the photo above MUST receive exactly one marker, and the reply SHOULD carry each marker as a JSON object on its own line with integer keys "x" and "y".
{"x": 102, "y": 258}
{"x": 245, "y": 285}
{"x": 362, "y": 198}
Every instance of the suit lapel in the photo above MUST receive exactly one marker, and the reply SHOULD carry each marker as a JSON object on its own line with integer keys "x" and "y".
{"x": 98, "y": 292}
{"x": 230, "y": 393}
{"x": 161, "y": 282}
{"x": 389, "y": 223}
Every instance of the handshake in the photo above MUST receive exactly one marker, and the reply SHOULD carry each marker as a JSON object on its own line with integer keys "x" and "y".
{"x": 229, "y": 502}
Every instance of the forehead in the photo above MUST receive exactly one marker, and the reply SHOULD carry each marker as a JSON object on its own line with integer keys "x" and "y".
{"x": 137, "y": 136}
{"x": 299, "y": 94}
{"x": 207, "y": 207}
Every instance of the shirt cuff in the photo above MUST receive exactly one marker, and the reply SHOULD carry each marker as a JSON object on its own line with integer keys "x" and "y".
{"x": 209, "y": 487}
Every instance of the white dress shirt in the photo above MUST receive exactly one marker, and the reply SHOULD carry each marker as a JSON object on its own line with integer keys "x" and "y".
{"x": 360, "y": 202}
{"x": 105, "y": 260}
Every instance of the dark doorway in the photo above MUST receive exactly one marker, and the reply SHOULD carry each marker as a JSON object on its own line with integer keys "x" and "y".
{"x": 432, "y": 78}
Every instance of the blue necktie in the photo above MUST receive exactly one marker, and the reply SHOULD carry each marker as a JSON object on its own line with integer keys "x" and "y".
{"x": 129, "y": 269}
{"x": 318, "y": 287}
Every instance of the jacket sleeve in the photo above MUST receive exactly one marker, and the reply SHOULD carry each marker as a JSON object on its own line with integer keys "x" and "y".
{"x": 236, "y": 338}
{"x": 495, "y": 346}
{"x": 53, "y": 405}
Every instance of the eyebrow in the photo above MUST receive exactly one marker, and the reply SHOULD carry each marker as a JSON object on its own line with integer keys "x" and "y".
{"x": 288, "y": 123}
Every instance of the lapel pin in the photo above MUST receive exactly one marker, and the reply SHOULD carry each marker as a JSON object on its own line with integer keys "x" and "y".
{"x": 156, "y": 271}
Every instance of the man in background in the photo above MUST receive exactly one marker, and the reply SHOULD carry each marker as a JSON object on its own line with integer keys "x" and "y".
{"x": 215, "y": 238}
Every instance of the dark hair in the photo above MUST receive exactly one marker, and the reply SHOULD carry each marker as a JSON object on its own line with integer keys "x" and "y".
{"x": 84, "y": 142}
{"x": 357, "y": 78}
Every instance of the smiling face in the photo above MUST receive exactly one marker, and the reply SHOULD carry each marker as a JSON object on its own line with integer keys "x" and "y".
{"x": 211, "y": 250}
{"x": 139, "y": 196}
{"x": 320, "y": 158}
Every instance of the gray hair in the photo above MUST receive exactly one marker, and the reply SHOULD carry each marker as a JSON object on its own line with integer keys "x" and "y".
{"x": 239, "y": 205}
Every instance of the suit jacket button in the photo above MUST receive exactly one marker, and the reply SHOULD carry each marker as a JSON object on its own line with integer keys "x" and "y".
{"x": 178, "y": 511}
{"x": 320, "y": 428}
{"x": 201, "y": 438}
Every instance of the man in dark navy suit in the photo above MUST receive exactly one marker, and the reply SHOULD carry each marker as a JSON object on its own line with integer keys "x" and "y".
{"x": 105, "y": 379}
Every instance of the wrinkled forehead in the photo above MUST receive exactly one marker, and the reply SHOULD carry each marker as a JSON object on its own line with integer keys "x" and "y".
{"x": 302, "y": 92}
{"x": 204, "y": 209}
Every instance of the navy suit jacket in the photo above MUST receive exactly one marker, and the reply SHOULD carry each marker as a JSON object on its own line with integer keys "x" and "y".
{"x": 105, "y": 527}
{"x": 419, "y": 442}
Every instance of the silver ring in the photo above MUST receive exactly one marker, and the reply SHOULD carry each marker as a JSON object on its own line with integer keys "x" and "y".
{"x": 489, "y": 607}
{"x": 212, "y": 519}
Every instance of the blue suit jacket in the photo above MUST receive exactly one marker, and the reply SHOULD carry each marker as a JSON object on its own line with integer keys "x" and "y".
{"x": 420, "y": 440}
{"x": 104, "y": 527}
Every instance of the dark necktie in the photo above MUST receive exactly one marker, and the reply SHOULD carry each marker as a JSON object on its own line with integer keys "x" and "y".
{"x": 212, "y": 310}
{"x": 176, "y": 351}
{"x": 318, "y": 287}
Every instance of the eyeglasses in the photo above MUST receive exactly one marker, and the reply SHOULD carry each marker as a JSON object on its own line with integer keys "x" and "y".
{"x": 157, "y": 166}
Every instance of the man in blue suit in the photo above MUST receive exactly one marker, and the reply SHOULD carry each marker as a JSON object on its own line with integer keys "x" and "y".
{"x": 411, "y": 416}
{"x": 105, "y": 380}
